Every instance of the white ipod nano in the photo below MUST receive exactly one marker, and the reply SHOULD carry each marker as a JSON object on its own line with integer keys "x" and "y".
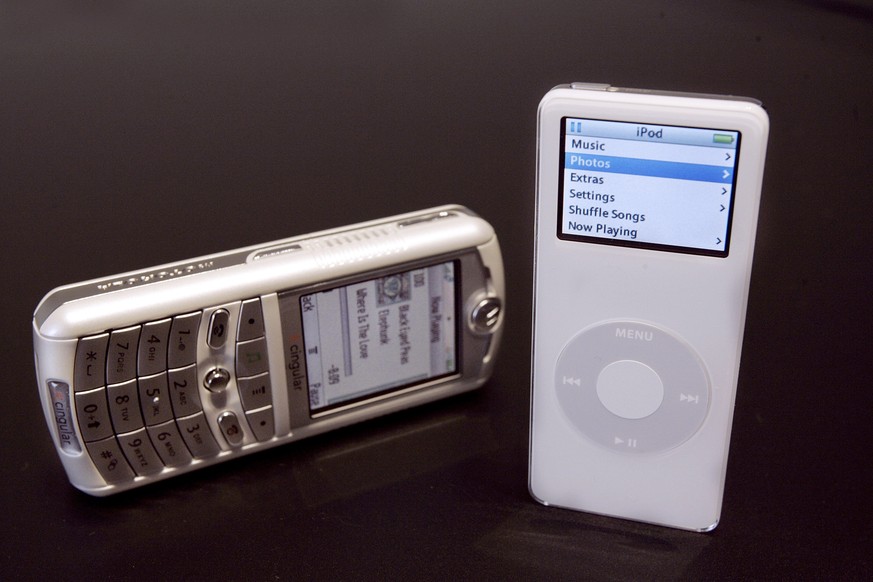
{"x": 647, "y": 204}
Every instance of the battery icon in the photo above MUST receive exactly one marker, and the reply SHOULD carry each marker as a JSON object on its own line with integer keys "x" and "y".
{"x": 722, "y": 138}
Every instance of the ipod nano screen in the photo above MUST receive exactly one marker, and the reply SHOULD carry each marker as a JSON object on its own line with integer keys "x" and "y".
{"x": 647, "y": 186}
{"x": 380, "y": 335}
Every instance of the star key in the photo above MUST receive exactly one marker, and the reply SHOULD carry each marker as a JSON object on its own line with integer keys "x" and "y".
{"x": 90, "y": 363}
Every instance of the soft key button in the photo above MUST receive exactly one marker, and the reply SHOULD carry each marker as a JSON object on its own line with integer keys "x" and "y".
{"x": 255, "y": 392}
{"x": 251, "y": 358}
{"x": 262, "y": 423}
{"x": 251, "y": 320}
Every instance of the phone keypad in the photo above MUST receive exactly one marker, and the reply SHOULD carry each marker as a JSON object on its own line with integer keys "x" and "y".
{"x": 139, "y": 391}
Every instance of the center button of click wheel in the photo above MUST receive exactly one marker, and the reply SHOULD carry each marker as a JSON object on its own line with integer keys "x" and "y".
{"x": 630, "y": 389}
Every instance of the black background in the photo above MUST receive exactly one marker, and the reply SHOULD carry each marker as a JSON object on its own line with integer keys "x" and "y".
{"x": 134, "y": 134}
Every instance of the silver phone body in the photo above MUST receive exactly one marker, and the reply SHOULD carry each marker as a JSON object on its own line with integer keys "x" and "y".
{"x": 158, "y": 372}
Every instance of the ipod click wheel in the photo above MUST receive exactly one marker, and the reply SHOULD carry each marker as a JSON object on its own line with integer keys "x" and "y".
{"x": 627, "y": 424}
{"x": 632, "y": 387}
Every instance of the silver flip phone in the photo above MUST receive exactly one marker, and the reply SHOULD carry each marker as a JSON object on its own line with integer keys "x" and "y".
{"x": 158, "y": 372}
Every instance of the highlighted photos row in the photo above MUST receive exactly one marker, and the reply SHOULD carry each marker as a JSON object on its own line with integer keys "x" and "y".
{"x": 650, "y": 168}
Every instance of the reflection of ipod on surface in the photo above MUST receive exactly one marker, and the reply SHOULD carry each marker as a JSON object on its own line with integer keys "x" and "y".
{"x": 645, "y": 226}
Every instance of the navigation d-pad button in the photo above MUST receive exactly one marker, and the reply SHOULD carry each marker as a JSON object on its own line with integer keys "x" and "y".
{"x": 632, "y": 386}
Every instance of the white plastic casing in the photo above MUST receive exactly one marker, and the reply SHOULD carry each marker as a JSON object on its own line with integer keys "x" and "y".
{"x": 223, "y": 280}
{"x": 699, "y": 300}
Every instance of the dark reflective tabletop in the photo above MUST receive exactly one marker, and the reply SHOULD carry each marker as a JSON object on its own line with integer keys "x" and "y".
{"x": 134, "y": 135}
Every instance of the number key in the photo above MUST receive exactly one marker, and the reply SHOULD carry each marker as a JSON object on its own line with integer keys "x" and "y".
{"x": 155, "y": 399}
{"x": 93, "y": 415}
{"x": 152, "y": 353}
{"x": 124, "y": 407}
{"x": 140, "y": 453}
{"x": 183, "y": 340}
{"x": 169, "y": 444}
{"x": 184, "y": 392}
{"x": 198, "y": 436}
{"x": 121, "y": 359}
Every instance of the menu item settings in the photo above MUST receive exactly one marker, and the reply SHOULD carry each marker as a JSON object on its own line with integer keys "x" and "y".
{"x": 648, "y": 186}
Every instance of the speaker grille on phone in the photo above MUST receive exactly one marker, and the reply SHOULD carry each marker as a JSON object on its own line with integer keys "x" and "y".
{"x": 357, "y": 246}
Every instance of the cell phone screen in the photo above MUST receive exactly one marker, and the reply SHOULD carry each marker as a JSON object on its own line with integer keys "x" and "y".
{"x": 379, "y": 335}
